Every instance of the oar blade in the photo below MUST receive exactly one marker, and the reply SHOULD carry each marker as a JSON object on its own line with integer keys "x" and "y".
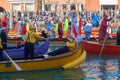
{"x": 13, "y": 62}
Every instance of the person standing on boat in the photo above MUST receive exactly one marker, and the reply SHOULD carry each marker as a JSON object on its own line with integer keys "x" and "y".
{"x": 88, "y": 30}
{"x": 118, "y": 36}
{"x": 3, "y": 36}
{"x": 1, "y": 51}
{"x": 103, "y": 28}
{"x": 30, "y": 38}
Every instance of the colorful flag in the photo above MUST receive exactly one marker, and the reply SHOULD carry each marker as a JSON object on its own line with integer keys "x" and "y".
{"x": 75, "y": 31}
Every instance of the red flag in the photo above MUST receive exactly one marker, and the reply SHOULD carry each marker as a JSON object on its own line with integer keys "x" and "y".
{"x": 75, "y": 31}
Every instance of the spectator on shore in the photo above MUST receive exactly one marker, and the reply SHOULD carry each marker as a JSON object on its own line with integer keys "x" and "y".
{"x": 60, "y": 31}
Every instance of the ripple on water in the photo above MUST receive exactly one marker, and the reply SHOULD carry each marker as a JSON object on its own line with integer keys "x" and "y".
{"x": 98, "y": 69}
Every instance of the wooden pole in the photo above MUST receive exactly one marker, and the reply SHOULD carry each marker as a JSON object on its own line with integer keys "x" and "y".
{"x": 103, "y": 45}
{"x": 13, "y": 62}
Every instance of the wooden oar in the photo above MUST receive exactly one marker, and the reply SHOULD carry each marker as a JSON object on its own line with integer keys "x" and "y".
{"x": 96, "y": 39}
{"x": 13, "y": 62}
{"x": 103, "y": 45}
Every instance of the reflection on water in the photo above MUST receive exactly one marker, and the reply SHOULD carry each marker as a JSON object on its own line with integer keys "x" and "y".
{"x": 58, "y": 74}
{"x": 99, "y": 69}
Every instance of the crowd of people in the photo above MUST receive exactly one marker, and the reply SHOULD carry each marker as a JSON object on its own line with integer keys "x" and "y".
{"x": 48, "y": 23}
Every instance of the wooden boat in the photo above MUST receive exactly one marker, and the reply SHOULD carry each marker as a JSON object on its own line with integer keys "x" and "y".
{"x": 109, "y": 40}
{"x": 67, "y": 60}
{"x": 19, "y": 53}
{"x": 12, "y": 41}
{"x": 95, "y": 47}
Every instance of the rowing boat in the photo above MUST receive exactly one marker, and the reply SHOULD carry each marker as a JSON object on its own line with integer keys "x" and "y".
{"x": 66, "y": 60}
{"x": 109, "y": 40}
{"x": 95, "y": 47}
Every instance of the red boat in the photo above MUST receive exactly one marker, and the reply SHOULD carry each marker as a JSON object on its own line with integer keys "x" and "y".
{"x": 95, "y": 48}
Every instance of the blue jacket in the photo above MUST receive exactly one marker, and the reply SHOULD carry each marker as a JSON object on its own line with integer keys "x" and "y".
{"x": 88, "y": 27}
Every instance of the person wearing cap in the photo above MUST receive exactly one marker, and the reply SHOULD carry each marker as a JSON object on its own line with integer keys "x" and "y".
{"x": 29, "y": 39}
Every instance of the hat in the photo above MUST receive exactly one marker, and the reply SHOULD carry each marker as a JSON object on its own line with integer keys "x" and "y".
{"x": 60, "y": 23}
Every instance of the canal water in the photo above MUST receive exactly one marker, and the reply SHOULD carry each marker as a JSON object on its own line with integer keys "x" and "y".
{"x": 105, "y": 67}
{"x": 56, "y": 74}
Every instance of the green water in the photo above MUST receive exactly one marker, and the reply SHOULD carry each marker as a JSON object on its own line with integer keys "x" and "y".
{"x": 57, "y": 74}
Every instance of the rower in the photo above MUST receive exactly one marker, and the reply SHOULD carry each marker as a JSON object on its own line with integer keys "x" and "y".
{"x": 70, "y": 45}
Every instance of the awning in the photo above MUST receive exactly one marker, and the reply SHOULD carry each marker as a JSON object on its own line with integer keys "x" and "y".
{"x": 108, "y": 2}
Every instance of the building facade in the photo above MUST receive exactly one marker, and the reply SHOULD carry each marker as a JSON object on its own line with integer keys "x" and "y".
{"x": 57, "y": 5}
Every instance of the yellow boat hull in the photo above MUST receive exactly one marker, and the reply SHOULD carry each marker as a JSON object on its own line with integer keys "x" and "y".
{"x": 66, "y": 60}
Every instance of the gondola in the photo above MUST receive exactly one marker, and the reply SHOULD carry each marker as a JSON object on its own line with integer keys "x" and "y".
{"x": 66, "y": 60}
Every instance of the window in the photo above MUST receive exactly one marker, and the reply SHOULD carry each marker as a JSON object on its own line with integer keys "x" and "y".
{"x": 16, "y": 7}
{"x": 47, "y": 7}
{"x": 72, "y": 6}
{"x": 29, "y": 7}
{"x": 106, "y": 7}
